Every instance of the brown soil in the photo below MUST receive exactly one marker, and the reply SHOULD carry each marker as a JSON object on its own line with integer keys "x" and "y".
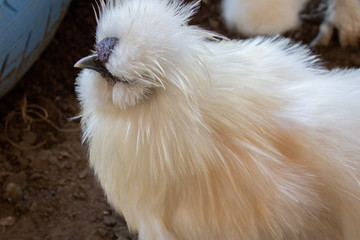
{"x": 47, "y": 190}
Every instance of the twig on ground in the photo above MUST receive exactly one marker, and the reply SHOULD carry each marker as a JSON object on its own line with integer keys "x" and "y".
{"x": 31, "y": 113}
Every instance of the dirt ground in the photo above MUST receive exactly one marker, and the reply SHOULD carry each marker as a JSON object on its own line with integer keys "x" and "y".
{"x": 47, "y": 190}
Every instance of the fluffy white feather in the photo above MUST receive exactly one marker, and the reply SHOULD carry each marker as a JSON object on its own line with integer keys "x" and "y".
{"x": 262, "y": 17}
{"x": 220, "y": 139}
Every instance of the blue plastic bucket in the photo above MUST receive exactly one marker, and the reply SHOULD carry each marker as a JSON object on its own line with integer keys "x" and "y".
{"x": 26, "y": 28}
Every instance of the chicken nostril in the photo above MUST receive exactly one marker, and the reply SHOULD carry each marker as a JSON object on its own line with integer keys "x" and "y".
{"x": 105, "y": 47}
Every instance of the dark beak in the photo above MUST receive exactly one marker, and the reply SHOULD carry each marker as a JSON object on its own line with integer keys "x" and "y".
{"x": 91, "y": 62}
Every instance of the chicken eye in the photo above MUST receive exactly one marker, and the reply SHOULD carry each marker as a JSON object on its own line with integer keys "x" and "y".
{"x": 105, "y": 47}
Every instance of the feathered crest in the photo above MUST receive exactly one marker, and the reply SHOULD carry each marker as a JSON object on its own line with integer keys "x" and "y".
{"x": 185, "y": 10}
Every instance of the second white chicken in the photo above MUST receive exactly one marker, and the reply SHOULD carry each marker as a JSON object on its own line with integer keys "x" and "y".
{"x": 271, "y": 17}
{"x": 262, "y": 17}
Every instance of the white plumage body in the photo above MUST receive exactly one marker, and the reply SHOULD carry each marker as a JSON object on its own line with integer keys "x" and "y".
{"x": 220, "y": 139}
{"x": 262, "y": 17}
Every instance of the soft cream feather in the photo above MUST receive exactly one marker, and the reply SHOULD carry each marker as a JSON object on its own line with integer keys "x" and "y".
{"x": 225, "y": 139}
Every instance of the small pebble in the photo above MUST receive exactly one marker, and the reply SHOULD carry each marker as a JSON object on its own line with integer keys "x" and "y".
{"x": 53, "y": 160}
{"x": 7, "y": 221}
{"x": 109, "y": 221}
{"x": 62, "y": 182}
{"x": 36, "y": 176}
{"x": 64, "y": 154}
{"x": 18, "y": 178}
{"x": 82, "y": 196}
{"x": 71, "y": 215}
{"x": 34, "y": 207}
{"x": 102, "y": 232}
{"x": 106, "y": 212}
{"x": 13, "y": 192}
{"x": 83, "y": 174}
{"x": 67, "y": 165}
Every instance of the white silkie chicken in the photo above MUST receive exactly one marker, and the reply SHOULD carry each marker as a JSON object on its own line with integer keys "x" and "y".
{"x": 343, "y": 15}
{"x": 194, "y": 138}
{"x": 262, "y": 17}
{"x": 271, "y": 17}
